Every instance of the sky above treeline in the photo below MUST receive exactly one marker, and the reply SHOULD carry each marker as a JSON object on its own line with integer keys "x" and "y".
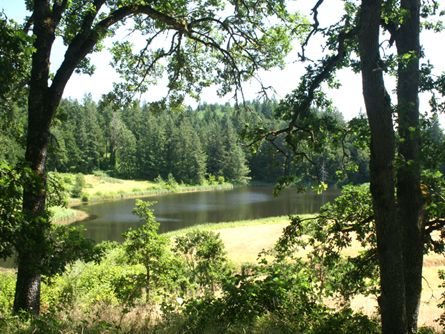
{"x": 348, "y": 98}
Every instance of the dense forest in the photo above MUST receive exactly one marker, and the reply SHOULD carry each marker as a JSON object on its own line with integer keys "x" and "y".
{"x": 140, "y": 141}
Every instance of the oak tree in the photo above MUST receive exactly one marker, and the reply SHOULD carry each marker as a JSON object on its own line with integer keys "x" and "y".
{"x": 209, "y": 41}
{"x": 356, "y": 41}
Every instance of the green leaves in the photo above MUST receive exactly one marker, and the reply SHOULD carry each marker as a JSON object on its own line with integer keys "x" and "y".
{"x": 60, "y": 245}
{"x": 11, "y": 215}
{"x": 15, "y": 58}
{"x": 205, "y": 258}
{"x": 145, "y": 246}
{"x": 346, "y": 221}
{"x": 206, "y": 44}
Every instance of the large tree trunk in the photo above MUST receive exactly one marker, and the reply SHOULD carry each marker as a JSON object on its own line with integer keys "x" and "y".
{"x": 29, "y": 247}
{"x": 43, "y": 101}
{"x": 31, "y": 244}
{"x": 378, "y": 108}
{"x": 408, "y": 172}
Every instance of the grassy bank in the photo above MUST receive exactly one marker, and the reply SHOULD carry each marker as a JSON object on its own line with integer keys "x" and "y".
{"x": 101, "y": 187}
{"x": 65, "y": 216}
{"x": 279, "y": 220}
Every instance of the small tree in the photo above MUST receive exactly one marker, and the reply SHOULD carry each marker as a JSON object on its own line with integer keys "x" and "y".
{"x": 145, "y": 246}
{"x": 206, "y": 258}
{"x": 79, "y": 184}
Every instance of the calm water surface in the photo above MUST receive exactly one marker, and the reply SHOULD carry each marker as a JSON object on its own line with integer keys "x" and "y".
{"x": 175, "y": 211}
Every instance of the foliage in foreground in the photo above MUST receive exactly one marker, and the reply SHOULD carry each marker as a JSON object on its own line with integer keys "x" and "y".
{"x": 60, "y": 245}
{"x": 275, "y": 297}
{"x": 150, "y": 284}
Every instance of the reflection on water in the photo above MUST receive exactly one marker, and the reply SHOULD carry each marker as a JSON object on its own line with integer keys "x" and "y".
{"x": 176, "y": 211}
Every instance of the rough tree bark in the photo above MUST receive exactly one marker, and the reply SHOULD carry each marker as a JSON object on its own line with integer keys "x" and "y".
{"x": 379, "y": 111}
{"x": 27, "y": 293}
{"x": 408, "y": 172}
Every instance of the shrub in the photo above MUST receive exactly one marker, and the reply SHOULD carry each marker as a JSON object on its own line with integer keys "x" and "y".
{"x": 221, "y": 179}
{"x": 171, "y": 184}
{"x": 79, "y": 184}
{"x": 278, "y": 297}
{"x": 205, "y": 257}
{"x": 85, "y": 198}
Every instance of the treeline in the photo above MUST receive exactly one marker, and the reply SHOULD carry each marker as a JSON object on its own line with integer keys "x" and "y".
{"x": 143, "y": 141}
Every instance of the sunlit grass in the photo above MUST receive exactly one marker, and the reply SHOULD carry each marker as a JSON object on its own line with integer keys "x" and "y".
{"x": 244, "y": 239}
{"x": 61, "y": 215}
{"x": 99, "y": 186}
{"x": 58, "y": 213}
{"x": 108, "y": 185}
{"x": 233, "y": 224}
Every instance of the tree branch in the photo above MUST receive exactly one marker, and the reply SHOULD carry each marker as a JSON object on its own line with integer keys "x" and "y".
{"x": 58, "y": 9}
{"x": 314, "y": 29}
{"x": 84, "y": 42}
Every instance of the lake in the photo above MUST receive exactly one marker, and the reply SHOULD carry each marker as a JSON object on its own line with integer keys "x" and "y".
{"x": 175, "y": 211}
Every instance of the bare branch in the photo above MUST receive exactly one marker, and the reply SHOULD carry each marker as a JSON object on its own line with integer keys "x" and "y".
{"x": 314, "y": 30}
{"x": 84, "y": 42}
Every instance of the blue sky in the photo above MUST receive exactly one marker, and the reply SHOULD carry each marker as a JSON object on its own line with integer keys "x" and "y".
{"x": 348, "y": 99}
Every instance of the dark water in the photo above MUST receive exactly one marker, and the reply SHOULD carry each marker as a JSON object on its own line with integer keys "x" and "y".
{"x": 175, "y": 211}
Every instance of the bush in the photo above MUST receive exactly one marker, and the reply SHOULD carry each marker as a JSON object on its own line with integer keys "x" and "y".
{"x": 85, "y": 198}
{"x": 206, "y": 260}
{"x": 172, "y": 184}
{"x": 279, "y": 297}
{"x": 79, "y": 184}
{"x": 159, "y": 180}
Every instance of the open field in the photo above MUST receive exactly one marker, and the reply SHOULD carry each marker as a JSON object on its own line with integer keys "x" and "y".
{"x": 245, "y": 239}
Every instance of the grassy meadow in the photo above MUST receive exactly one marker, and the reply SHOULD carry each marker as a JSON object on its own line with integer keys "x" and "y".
{"x": 99, "y": 186}
{"x": 245, "y": 239}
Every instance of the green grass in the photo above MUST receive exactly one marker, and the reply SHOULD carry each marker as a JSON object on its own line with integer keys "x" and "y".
{"x": 60, "y": 213}
{"x": 99, "y": 187}
{"x": 63, "y": 216}
{"x": 233, "y": 224}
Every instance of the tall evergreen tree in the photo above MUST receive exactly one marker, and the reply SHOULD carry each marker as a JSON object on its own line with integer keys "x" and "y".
{"x": 152, "y": 146}
{"x": 235, "y": 164}
{"x": 188, "y": 158}
{"x": 124, "y": 147}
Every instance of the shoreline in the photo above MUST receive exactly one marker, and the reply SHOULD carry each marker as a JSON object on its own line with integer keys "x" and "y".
{"x": 78, "y": 215}
{"x": 75, "y": 216}
{"x": 115, "y": 196}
